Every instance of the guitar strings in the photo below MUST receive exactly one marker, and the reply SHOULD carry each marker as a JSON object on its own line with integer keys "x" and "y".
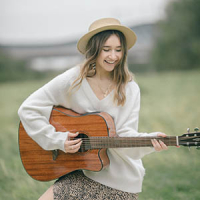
{"x": 124, "y": 141}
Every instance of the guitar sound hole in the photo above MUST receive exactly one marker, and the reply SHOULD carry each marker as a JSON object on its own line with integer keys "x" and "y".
{"x": 85, "y": 146}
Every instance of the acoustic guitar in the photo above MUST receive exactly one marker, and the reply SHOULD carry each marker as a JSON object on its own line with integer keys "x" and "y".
{"x": 97, "y": 131}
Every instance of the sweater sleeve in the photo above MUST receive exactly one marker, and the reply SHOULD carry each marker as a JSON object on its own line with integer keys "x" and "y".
{"x": 35, "y": 112}
{"x": 129, "y": 127}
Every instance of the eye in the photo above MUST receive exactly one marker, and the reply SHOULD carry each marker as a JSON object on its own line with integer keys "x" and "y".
{"x": 118, "y": 50}
{"x": 106, "y": 50}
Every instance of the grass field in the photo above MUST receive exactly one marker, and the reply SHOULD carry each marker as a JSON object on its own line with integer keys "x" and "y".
{"x": 169, "y": 103}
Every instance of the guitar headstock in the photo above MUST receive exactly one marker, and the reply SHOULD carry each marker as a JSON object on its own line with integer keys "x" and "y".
{"x": 190, "y": 139}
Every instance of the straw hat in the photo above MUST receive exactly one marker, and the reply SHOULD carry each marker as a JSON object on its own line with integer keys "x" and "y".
{"x": 103, "y": 25}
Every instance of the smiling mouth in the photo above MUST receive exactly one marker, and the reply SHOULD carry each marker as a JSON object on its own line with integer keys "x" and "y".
{"x": 110, "y": 62}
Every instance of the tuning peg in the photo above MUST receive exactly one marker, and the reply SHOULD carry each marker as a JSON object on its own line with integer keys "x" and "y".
{"x": 196, "y": 129}
{"x": 188, "y": 130}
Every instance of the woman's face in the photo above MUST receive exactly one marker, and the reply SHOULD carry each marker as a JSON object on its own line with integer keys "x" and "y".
{"x": 110, "y": 55}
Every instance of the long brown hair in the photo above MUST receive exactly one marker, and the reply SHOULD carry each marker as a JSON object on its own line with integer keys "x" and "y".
{"x": 120, "y": 75}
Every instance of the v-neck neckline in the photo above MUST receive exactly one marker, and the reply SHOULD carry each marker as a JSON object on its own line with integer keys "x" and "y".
{"x": 93, "y": 93}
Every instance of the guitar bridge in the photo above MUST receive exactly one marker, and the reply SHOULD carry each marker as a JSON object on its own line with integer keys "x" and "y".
{"x": 55, "y": 154}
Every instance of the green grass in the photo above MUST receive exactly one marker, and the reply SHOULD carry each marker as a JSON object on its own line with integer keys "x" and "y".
{"x": 14, "y": 181}
{"x": 169, "y": 103}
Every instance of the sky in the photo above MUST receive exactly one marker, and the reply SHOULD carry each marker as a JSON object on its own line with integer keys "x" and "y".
{"x": 54, "y": 21}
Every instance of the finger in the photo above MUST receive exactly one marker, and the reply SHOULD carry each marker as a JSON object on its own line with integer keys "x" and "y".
{"x": 72, "y": 142}
{"x": 163, "y": 145}
{"x": 72, "y": 135}
{"x": 74, "y": 148}
{"x": 159, "y": 146}
{"x": 162, "y": 135}
{"x": 68, "y": 144}
{"x": 156, "y": 145}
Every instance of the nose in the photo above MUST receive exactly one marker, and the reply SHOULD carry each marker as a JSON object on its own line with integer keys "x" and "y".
{"x": 113, "y": 55}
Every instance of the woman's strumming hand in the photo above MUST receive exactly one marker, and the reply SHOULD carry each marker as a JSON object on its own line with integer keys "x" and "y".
{"x": 72, "y": 145}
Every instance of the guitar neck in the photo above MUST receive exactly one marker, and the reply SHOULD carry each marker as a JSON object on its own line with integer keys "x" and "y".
{"x": 125, "y": 142}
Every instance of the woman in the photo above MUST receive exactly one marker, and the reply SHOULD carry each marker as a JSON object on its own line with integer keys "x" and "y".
{"x": 102, "y": 83}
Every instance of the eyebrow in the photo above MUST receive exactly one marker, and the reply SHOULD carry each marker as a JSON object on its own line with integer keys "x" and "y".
{"x": 110, "y": 46}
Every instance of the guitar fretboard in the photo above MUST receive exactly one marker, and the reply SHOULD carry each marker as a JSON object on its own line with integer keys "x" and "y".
{"x": 124, "y": 142}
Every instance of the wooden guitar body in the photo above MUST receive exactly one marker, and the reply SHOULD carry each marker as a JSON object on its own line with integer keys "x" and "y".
{"x": 48, "y": 165}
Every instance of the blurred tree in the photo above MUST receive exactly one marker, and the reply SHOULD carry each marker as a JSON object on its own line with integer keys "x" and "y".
{"x": 178, "y": 41}
{"x": 12, "y": 69}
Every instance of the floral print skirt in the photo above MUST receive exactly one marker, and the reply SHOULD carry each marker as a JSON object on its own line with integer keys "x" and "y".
{"x": 76, "y": 186}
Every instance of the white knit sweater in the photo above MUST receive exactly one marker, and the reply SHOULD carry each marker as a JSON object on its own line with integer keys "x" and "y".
{"x": 125, "y": 171}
